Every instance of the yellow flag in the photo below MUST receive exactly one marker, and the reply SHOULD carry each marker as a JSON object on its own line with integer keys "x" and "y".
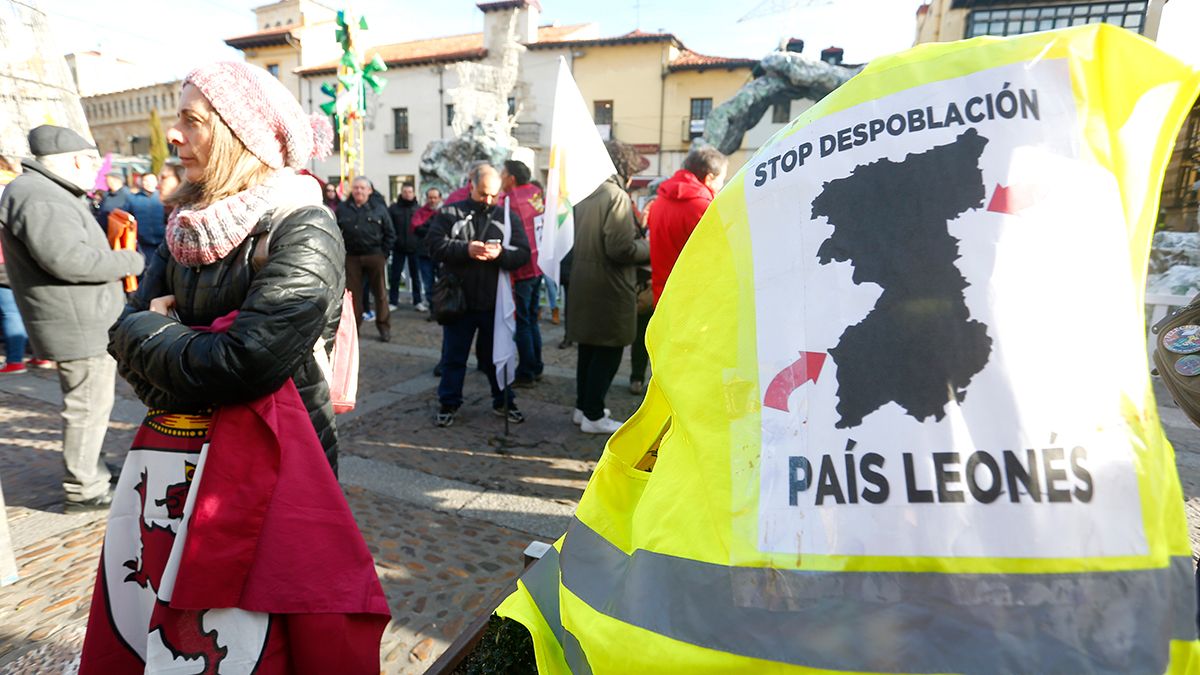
{"x": 901, "y": 406}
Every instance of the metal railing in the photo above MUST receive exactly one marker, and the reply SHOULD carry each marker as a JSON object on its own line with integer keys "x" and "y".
{"x": 398, "y": 142}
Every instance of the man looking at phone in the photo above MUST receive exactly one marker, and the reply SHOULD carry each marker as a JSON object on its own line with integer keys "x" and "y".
{"x": 466, "y": 238}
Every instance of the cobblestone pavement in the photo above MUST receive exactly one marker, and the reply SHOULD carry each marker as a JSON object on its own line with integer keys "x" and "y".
{"x": 442, "y": 558}
{"x": 440, "y": 567}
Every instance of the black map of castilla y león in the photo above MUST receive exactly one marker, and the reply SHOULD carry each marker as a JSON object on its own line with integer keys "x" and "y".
{"x": 919, "y": 346}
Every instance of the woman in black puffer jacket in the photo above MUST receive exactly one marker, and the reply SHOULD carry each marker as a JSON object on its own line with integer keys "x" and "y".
{"x": 283, "y": 308}
{"x": 240, "y": 137}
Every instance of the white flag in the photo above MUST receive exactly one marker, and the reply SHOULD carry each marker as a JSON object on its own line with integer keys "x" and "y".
{"x": 504, "y": 346}
{"x": 579, "y": 163}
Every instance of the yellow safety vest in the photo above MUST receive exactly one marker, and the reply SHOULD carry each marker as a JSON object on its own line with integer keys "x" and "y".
{"x": 901, "y": 419}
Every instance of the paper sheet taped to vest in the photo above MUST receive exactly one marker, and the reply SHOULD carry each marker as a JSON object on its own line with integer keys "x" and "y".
{"x": 901, "y": 389}
{"x": 942, "y": 290}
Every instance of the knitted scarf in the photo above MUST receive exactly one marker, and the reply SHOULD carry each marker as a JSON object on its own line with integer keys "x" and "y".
{"x": 203, "y": 236}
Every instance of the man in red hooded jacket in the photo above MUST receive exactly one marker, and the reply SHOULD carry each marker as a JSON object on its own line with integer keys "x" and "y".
{"x": 682, "y": 200}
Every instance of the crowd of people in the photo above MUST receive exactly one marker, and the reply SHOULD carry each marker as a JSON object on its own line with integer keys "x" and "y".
{"x": 482, "y": 233}
{"x": 242, "y": 256}
{"x": 613, "y": 275}
{"x": 59, "y": 292}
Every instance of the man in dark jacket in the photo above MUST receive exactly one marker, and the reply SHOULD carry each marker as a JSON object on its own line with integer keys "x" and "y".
{"x": 466, "y": 237}
{"x": 147, "y": 208}
{"x": 117, "y": 197}
{"x": 66, "y": 281}
{"x": 405, "y": 250}
{"x": 602, "y": 294}
{"x": 367, "y": 230}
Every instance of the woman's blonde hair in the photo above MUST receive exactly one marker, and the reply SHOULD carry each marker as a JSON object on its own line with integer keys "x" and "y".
{"x": 231, "y": 169}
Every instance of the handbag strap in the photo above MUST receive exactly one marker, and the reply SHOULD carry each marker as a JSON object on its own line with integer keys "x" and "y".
{"x": 268, "y": 224}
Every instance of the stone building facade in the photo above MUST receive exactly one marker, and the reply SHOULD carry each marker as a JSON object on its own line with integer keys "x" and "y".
{"x": 120, "y": 120}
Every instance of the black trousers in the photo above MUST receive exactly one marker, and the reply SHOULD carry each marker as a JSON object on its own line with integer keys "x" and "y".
{"x": 638, "y": 355}
{"x": 594, "y": 374}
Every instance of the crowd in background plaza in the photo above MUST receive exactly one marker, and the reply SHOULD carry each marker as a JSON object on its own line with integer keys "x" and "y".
{"x": 611, "y": 280}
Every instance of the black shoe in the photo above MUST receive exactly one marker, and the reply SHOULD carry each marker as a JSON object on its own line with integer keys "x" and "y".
{"x": 523, "y": 382}
{"x": 514, "y": 415}
{"x": 445, "y": 416}
{"x": 100, "y": 503}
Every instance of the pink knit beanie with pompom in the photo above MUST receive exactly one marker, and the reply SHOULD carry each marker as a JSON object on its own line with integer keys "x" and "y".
{"x": 263, "y": 114}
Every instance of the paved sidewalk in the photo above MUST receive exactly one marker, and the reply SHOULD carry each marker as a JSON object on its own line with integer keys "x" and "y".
{"x": 446, "y": 512}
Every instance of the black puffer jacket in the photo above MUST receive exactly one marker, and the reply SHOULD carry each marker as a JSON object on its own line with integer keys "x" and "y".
{"x": 284, "y": 307}
{"x": 402, "y": 211}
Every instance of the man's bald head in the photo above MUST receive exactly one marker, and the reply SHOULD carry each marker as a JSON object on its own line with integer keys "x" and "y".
{"x": 485, "y": 184}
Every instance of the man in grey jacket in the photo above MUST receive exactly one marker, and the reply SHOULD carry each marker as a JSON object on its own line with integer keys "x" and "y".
{"x": 67, "y": 285}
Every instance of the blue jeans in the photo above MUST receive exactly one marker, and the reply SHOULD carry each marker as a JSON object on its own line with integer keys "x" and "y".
{"x": 551, "y": 292}
{"x": 395, "y": 269}
{"x": 426, "y": 267}
{"x": 15, "y": 336}
{"x": 528, "y": 336}
{"x": 456, "y": 349}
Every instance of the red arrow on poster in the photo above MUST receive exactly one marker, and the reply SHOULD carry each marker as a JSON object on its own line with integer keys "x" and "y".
{"x": 1012, "y": 199}
{"x": 806, "y": 369}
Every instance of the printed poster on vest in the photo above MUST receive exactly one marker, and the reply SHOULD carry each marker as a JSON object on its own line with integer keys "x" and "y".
{"x": 951, "y": 265}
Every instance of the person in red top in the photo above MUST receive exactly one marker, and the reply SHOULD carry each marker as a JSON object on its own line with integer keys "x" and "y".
{"x": 682, "y": 200}
{"x": 525, "y": 199}
{"x": 420, "y": 226}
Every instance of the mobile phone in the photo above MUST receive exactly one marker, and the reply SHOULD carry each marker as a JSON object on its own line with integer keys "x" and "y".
{"x": 493, "y": 242}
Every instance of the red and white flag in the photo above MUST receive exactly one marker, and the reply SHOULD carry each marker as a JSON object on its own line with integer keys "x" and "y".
{"x": 230, "y": 548}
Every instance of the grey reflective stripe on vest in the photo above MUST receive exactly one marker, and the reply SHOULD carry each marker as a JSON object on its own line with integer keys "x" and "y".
{"x": 576, "y": 659}
{"x": 542, "y": 582}
{"x": 1106, "y": 622}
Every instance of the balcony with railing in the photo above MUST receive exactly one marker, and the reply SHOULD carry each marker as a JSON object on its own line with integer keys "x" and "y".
{"x": 398, "y": 142}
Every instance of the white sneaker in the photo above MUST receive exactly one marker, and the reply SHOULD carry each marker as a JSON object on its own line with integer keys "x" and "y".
{"x": 605, "y": 425}
{"x": 369, "y": 316}
{"x": 577, "y": 416}
{"x": 421, "y": 307}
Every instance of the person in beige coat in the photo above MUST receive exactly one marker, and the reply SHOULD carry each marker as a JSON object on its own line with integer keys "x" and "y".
{"x": 602, "y": 294}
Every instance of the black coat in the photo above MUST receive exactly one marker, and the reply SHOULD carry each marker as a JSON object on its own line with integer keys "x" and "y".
{"x": 402, "y": 211}
{"x": 479, "y": 278}
{"x": 284, "y": 307}
{"x": 366, "y": 229}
